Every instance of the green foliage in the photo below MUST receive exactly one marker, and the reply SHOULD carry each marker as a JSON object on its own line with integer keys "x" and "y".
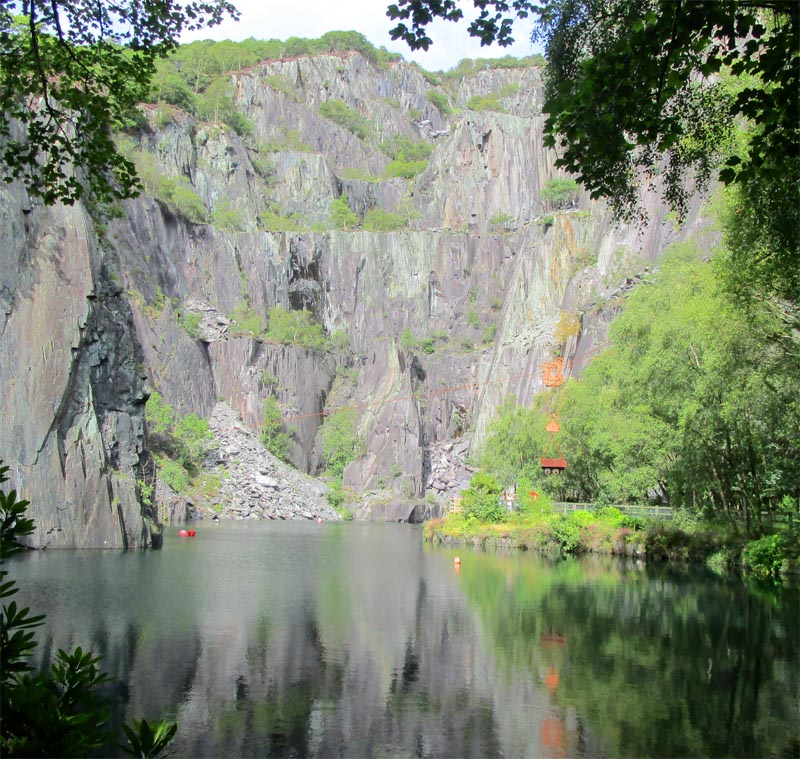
{"x": 181, "y": 442}
{"x": 502, "y": 221}
{"x": 481, "y": 500}
{"x": 340, "y": 441}
{"x": 559, "y": 192}
{"x": 282, "y": 84}
{"x": 295, "y": 328}
{"x": 274, "y": 435}
{"x": 358, "y": 175}
{"x": 339, "y": 499}
{"x": 145, "y": 740}
{"x": 764, "y": 557}
{"x": 59, "y": 711}
{"x": 273, "y": 220}
{"x": 290, "y": 141}
{"x": 473, "y": 319}
{"x": 407, "y": 339}
{"x": 227, "y": 217}
{"x": 175, "y": 192}
{"x": 514, "y": 441}
{"x": 246, "y": 321}
{"x": 471, "y": 66}
{"x": 378, "y": 220}
{"x": 491, "y": 101}
{"x": 440, "y": 100}
{"x": 696, "y": 405}
{"x": 87, "y": 66}
{"x": 401, "y": 148}
{"x": 160, "y": 416}
{"x": 190, "y": 321}
{"x": 340, "y": 216}
{"x": 404, "y": 169}
{"x": 657, "y": 100}
{"x": 489, "y": 334}
{"x": 346, "y": 117}
{"x": 217, "y": 103}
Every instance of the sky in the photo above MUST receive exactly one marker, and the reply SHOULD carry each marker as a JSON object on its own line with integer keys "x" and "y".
{"x": 278, "y": 19}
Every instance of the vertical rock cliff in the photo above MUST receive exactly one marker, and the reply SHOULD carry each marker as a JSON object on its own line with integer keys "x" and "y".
{"x": 438, "y": 319}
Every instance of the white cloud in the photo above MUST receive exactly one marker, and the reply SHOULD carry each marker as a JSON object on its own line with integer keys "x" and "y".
{"x": 277, "y": 19}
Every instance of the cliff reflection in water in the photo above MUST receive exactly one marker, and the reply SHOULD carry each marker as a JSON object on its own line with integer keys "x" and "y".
{"x": 355, "y": 640}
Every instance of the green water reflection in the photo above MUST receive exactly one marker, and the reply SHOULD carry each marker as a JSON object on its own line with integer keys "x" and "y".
{"x": 657, "y": 662}
{"x": 357, "y": 640}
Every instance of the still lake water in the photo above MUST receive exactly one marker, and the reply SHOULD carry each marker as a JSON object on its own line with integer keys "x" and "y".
{"x": 355, "y": 640}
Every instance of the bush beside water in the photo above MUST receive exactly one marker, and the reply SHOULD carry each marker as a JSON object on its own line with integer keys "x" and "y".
{"x": 484, "y": 519}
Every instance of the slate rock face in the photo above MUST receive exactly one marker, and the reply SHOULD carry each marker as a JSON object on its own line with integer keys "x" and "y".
{"x": 434, "y": 324}
{"x": 72, "y": 377}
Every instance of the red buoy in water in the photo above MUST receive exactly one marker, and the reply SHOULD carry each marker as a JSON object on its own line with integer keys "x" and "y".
{"x": 192, "y": 533}
{"x": 183, "y": 534}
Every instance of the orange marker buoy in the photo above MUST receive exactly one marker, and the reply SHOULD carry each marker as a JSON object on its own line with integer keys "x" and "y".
{"x": 183, "y": 534}
{"x": 457, "y": 561}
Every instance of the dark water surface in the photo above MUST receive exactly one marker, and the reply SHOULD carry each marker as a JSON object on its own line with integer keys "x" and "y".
{"x": 357, "y": 640}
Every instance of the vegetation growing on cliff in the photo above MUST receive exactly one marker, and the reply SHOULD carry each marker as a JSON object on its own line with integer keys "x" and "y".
{"x": 180, "y": 443}
{"x": 274, "y": 435}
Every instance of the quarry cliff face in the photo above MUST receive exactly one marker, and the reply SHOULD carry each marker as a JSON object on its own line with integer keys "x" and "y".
{"x": 438, "y": 320}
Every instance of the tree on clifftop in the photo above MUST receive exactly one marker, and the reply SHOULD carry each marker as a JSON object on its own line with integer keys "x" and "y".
{"x": 73, "y": 71}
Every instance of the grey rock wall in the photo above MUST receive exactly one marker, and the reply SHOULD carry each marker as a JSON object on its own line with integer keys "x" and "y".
{"x": 442, "y": 320}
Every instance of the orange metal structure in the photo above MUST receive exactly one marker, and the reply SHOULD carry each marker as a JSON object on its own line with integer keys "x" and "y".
{"x": 553, "y": 377}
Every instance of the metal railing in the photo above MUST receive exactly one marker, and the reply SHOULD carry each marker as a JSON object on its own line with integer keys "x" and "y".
{"x": 631, "y": 510}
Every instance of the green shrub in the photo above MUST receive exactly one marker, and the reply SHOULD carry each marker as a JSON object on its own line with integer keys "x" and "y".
{"x": 472, "y": 319}
{"x": 481, "y": 500}
{"x": 764, "y": 557}
{"x": 407, "y": 339}
{"x": 190, "y": 322}
{"x": 340, "y": 442}
{"x": 246, "y": 321}
{"x": 401, "y": 148}
{"x": 272, "y": 220}
{"x": 346, "y": 117}
{"x": 227, "y": 217}
{"x": 489, "y": 334}
{"x": 559, "y": 192}
{"x": 502, "y": 221}
{"x": 173, "y": 474}
{"x": 289, "y": 142}
{"x": 281, "y": 83}
{"x": 274, "y": 435}
{"x": 295, "y": 328}
{"x": 340, "y": 215}
{"x": 339, "y": 500}
{"x": 192, "y": 435}
{"x": 186, "y": 201}
{"x": 378, "y": 220}
{"x": 160, "y": 417}
{"x": 440, "y": 101}
{"x": 567, "y": 533}
{"x": 404, "y": 169}
{"x": 610, "y": 515}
